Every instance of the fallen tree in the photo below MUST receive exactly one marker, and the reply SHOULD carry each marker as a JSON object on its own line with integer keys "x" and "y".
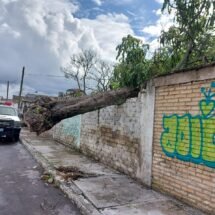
{"x": 46, "y": 112}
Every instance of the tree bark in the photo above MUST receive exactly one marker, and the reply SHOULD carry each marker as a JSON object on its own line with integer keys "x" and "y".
{"x": 47, "y": 112}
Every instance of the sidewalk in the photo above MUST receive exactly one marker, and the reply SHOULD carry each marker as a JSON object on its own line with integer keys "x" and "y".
{"x": 100, "y": 190}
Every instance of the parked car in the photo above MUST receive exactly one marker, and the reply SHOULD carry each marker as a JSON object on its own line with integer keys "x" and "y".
{"x": 10, "y": 123}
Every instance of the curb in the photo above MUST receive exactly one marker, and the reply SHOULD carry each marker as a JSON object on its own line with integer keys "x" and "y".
{"x": 72, "y": 191}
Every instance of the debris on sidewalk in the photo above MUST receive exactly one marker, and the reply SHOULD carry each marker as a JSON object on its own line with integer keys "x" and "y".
{"x": 72, "y": 173}
{"x": 47, "y": 177}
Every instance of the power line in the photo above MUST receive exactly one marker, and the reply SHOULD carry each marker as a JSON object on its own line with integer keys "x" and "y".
{"x": 32, "y": 74}
{"x": 11, "y": 82}
{"x": 54, "y": 76}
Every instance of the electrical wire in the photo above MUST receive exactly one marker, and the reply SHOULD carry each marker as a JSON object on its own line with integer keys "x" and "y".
{"x": 47, "y": 75}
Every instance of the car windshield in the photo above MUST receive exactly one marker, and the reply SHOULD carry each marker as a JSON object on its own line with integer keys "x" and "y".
{"x": 7, "y": 111}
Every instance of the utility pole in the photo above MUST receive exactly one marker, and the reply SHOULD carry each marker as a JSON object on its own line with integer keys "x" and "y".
{"x": 21, "y": 86}
{"x": 8, "y": 84}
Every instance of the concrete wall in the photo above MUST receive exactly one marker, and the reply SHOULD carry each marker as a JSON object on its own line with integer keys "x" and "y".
{"x": 184, "y": 137}
{"x": 114, "y": 136}
{"x": 68, "y": 132}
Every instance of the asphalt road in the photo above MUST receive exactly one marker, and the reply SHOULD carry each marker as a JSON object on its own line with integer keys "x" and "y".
{"x": 21, "y": 190}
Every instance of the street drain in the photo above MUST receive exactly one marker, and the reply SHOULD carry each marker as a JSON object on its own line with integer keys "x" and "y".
{"x": 72, "y": 173}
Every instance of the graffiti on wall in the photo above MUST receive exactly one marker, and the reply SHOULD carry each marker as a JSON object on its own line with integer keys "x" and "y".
{"x": 69, "y": 130}
{"x": 192, "y": 138}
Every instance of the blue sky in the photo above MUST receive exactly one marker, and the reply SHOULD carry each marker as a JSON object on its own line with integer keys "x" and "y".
{"x": 42, "y": 35}
{"x": 140, "y": 12}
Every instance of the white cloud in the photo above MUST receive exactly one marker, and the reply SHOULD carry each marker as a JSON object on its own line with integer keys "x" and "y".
{"x": 6, "y": 29}
{"x": 7, "y": 1}
{"x": 164, "y": 22}
{"x": 152, "y": 32}
{"x": 106, "y": 33}
{"x": 98, "y": 2}
{"x": 160, "y": 1}
{"x": 42, "y": 34}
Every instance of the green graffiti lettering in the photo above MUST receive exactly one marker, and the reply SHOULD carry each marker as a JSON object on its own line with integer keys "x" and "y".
{"x": 196, "y": 138}
{"x": 208, "y": 151}
{"x": 183, "y": 136}
{"x": 168, "y": 138}
{"x": 192, "y": 138}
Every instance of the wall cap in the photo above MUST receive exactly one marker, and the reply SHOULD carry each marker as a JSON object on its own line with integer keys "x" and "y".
{"x": 184, "y": 76}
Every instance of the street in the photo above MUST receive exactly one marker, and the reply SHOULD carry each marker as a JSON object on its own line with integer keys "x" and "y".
{"x": 21, "y": 190}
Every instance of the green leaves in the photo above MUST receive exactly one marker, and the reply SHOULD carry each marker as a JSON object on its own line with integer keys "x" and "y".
{"x": 189, "y": 42}
{"x": 132, "y": 69}
{"x": 191, "y": 38}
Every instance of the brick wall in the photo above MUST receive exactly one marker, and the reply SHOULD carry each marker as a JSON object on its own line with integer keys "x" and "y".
{"x": 112, "y": 135}
{"x": 184, "y": 142}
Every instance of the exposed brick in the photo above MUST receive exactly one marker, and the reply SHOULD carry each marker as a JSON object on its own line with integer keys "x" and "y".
{"x": 193, "y": 183}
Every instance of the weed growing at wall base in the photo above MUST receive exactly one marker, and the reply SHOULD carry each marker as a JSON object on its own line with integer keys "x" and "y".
{"x": 192, "y": 138}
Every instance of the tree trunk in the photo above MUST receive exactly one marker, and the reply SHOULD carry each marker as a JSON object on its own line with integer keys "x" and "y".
{"x": 182, "y": 64}
{"x": 46, "y": 112}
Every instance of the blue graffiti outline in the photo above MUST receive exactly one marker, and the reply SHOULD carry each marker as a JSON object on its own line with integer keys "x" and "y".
{"x": 189, "y": 157}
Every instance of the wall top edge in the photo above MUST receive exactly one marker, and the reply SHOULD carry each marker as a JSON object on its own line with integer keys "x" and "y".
{"x": 185, "y": 76}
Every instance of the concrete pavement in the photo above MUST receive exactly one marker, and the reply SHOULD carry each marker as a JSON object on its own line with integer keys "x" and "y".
{"x": 100, "y": 190}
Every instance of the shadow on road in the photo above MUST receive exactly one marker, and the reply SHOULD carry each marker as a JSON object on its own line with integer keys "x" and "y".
{"x": 5, "y": 141}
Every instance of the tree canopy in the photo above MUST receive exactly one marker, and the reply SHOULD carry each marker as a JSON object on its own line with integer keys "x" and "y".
{"x": 189, "y": 42}
{"x": 132, "y": 68}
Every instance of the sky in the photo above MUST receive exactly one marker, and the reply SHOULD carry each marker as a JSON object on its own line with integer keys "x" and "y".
{"x": 42, "y": 35}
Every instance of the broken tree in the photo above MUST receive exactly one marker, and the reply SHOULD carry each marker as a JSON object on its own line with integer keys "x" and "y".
{"x": 46, "y": 112}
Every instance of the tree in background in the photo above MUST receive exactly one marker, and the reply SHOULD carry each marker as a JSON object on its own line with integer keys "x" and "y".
{"x": 132, "y": 69}
{"x": 88, "y": 71}
{"x": 101, "y": 76}
{"x": 191, "y": 41}
{"x": 79, "y": 68}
